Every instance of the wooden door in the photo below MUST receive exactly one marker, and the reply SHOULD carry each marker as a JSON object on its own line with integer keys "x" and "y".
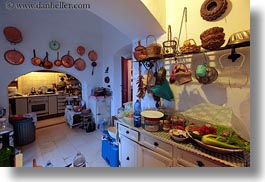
{"x": 126, "y": 87}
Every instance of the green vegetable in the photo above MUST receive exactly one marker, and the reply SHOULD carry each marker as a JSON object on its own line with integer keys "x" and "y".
{"x": 196, "y": 135}
{"x": 232, "y": 142}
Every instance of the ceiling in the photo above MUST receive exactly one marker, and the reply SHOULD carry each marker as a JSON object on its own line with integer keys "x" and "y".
{"x": 130, "y": 17}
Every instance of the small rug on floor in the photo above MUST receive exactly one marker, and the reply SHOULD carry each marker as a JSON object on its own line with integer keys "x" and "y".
{"x": 50, "y": 122}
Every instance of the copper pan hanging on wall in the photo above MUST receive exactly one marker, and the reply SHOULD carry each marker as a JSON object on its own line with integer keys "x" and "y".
{"x": 80, "y": 64}
{"x": 46, "y": 63}
{"x": 92, "y": 55}
{"x": 13, "y": 34}
{"x": 81, "y": 50}
{"x": 14, "y": 57}
{"x": 67, "y": 60}
{"x": 58, "y": 62}
{"x": 36, "y": 61}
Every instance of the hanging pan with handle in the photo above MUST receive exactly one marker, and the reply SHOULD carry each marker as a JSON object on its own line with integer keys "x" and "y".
{"x": 58, "y": 62}
{"x": 67, "y": 60}
{"x": 93, "y": 64}
{"x": 36, "y": 61}
{"x": 14, "y": 57}
{"x": 80, "y": 64}
{"x": 46, "y": 63}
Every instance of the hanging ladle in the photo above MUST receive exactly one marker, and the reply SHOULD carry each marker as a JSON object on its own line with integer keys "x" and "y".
{"x": 93, "y": 64}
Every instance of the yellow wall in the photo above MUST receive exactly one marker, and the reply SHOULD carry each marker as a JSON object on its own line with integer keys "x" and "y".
{"x": 37, "y": 80}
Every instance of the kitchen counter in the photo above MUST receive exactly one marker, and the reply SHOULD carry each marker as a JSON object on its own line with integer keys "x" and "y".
{"x": 238, "y": 159}
{"x": 27, "y": 96}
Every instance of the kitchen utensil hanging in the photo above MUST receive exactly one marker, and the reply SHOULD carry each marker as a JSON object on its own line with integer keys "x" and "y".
{"x": 153, "y": 50}
{"x": 14, "y": 57}
{"x": 46, "y": 63}
{"x": 58, "y": 62}
{"x": 67, "y": 60}
{"x": 81, "y": 50}
{"x": 80, "y": 64}
{"x": 140, "y": 52}
{"x": 93, "y": 64}
{"x": 169, "y": 46}
{"x": 232, "y": 72}
{"x": 13, "y": 34}
{"x": 107, "y": 79}
{"x": 92, "y": 55}
{"x": 210, "y": 75}
{"x": 36, "y": 61}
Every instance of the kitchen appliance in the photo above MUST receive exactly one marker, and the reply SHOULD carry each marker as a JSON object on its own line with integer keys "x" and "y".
{"x": 39, "y": 105}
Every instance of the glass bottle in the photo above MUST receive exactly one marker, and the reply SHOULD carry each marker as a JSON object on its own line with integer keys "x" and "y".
{"x": 137, "y": 114}
{"x": 7, "y": 153}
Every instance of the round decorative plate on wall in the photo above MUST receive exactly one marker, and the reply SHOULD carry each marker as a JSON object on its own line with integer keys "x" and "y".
{"x": 54, "y": 45}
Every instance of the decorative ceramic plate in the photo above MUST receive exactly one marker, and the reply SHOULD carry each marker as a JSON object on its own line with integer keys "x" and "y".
{"x": 54, "y": 45}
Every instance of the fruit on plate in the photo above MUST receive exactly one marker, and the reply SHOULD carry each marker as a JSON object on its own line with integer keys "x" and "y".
{"x": 231, "y": 142}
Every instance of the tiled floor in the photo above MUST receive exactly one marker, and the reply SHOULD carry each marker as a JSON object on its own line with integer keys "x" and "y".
{"x": 59, "y": 144}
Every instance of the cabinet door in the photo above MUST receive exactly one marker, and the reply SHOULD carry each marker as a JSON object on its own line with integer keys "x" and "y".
{"x": 22, "y": 106}
{"x": 150, "y": 158}
{"x": 127, "y": 152}
{"x": 52, "y": 105}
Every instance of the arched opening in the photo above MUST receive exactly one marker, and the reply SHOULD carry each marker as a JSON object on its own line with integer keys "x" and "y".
{"x": 43, "y": 92}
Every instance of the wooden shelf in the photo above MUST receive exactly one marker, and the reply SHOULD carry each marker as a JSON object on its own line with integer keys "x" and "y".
{"x": 149, "y": 62}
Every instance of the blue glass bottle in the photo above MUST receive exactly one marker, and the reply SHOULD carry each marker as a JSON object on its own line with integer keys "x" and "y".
{"x": 137, "y": 113}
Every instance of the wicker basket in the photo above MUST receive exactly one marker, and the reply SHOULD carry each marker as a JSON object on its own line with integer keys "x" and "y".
{"x": 190, "y": 46}
{"x": 169, "y": 46}
{"x": 153, "y": 50}
{"x": 140, "y": 52}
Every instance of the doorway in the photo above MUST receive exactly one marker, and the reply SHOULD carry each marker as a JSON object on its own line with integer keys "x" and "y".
{"x": 126, "y": 87}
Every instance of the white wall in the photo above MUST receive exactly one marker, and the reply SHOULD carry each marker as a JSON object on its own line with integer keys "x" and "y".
{"x": 220, "y": 92}
{"x": 71, "y": 29}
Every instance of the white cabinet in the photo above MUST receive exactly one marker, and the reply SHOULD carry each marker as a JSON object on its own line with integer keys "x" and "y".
{"x": 140, "y": 150}
{"x": 100, "y": 107}
{"x": 150, "y": 158}
{"x": 21, "y": 106}
{"x": 52, "y": 105}
{"x": 128, "y": 151}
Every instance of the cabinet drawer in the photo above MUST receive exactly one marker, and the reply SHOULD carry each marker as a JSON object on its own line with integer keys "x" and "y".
{"x": 187, "y": 159}
{"x": 130, "y": 133}
{"x": 157, "y": 145}
{"x": 61, "y": 104}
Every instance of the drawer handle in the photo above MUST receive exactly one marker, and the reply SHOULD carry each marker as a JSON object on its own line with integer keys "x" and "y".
{"x": 156, "y": 144}
{"x": 200, "y": 163}
{"x": 127, "y": 132}
{"x": 127, "y": 158}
